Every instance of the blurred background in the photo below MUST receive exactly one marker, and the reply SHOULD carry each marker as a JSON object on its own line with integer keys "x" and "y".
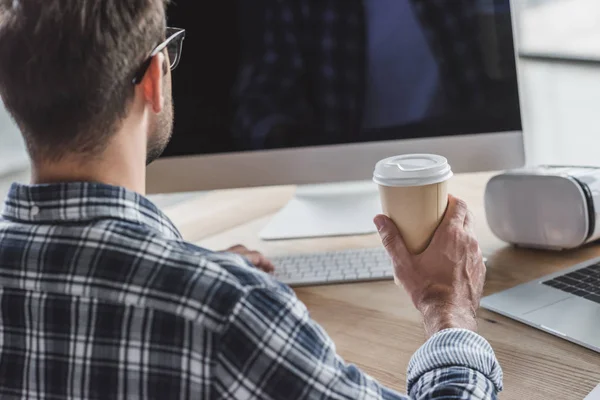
{"x": 559, "y": 49}
{"x": 558, "y": 44}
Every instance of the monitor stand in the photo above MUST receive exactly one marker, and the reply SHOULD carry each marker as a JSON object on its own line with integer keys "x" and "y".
{"x": 335, "y": 209}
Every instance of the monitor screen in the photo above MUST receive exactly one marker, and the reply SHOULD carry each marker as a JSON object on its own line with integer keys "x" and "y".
{"x": 273, "y": 74}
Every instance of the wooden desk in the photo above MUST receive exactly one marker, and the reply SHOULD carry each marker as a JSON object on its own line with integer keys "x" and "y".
{"x": 374, "y": 324}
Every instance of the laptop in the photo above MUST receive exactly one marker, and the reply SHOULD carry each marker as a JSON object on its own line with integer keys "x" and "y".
{"x": 565, "y": 304}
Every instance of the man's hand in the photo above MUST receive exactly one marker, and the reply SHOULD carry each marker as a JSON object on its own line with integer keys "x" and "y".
{"x": 446, "y": 281}
{"x": 254, "y": 257}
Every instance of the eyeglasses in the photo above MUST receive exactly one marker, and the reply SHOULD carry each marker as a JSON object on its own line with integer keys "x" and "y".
{"x": 174, "y": 46}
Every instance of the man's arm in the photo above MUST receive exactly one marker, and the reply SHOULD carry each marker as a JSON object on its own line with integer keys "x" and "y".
{"x": 445, "y": 283}
{"x": 272, "y": 349}
{"x": 455, "y": 363}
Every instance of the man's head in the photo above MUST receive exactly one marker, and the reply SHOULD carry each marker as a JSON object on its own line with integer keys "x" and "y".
{"x": 67, "y": 69}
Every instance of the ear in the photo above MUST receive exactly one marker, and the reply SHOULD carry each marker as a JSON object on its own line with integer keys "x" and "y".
{"x": 152, "y": 84}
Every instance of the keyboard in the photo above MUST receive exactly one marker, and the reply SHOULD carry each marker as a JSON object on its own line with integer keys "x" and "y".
{"x": 345, "y": 266}
{"x": 584, "y": 282}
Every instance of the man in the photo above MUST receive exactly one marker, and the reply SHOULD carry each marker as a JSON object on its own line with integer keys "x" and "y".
{"x": 318, "y": 72}
{"x": 100, "y": 297}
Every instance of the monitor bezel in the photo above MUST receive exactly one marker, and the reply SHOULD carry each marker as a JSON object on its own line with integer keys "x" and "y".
{"x": 322, "y": 164}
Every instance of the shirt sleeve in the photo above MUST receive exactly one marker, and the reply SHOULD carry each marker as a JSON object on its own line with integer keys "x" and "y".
{"x": 272, "y": 349}
{"x": 452, "y": 363}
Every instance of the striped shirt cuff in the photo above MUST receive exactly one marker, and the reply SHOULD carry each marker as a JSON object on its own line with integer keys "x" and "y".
{"x": 455, "y": 348}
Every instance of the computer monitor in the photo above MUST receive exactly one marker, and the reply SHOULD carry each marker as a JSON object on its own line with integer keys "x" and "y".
{"x": 278, "y": 92}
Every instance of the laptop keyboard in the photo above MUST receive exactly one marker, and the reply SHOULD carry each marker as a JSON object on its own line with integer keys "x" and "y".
{"x": 584, "y": 283}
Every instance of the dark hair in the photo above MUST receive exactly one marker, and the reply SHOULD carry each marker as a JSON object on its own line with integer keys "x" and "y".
{"x": 66, "y": 67}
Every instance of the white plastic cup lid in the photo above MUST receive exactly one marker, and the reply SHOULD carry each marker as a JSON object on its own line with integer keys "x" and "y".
{"x": 412, "y": 170}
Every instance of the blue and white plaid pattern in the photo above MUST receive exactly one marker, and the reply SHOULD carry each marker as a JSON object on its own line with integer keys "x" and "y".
{"x": 100, "y": 298}
{"x": 307, "y": 67}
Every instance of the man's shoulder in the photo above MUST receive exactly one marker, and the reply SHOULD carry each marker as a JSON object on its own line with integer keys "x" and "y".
{"x": 195, "y": 283}
{"x": 123, "y": 263}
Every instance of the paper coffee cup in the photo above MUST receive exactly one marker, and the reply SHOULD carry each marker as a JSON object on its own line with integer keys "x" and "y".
{"x": 414, "y": 194}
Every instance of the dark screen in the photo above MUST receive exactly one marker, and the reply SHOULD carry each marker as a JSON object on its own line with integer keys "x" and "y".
{"x": 268, "y": 74}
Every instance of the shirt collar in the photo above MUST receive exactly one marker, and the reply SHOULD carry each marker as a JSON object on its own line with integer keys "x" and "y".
{"x": 83, "y": 201}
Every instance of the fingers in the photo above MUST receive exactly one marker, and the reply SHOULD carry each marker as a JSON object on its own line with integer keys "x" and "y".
{"x": 259, "y": 261}
{"x": 456, "y": 213}
{"x": 391, "y": 238}
{"x": 254, "y": 257}
{"x": 237, "y": 249}
{"x": 457, "y": 219}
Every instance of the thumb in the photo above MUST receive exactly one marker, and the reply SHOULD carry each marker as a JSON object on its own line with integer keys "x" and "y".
{"x": 391, "y": 238}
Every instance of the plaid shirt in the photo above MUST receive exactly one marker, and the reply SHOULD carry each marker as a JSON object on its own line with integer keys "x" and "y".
{"x": 100, "y": 298}
{"x": 304, "y": 65}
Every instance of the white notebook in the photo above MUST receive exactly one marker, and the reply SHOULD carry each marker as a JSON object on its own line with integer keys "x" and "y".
{"x": 595, "y": 395}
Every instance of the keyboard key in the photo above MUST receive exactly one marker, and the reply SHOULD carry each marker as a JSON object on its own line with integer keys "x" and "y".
{"x": 587, "y": 271}
{"x": 556, "y": 284}
{"x": 595, "y": 269}
{"x": 553, "y": 283}
{"x": 578, "y": 276}
{"x": 594, "y": 284}
{"x": 580, "y": 293}
{"x": 593, "y": 297}
{"x": 567, "y": 280}
{"x": 569, "y": 289}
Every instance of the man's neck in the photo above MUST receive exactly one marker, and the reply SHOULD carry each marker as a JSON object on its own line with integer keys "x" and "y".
{"x": 122, "y": 163}
{"x": 106, "y": 173}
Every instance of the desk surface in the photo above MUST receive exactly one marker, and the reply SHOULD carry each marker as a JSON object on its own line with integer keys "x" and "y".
{"x": 374, "y": 324}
